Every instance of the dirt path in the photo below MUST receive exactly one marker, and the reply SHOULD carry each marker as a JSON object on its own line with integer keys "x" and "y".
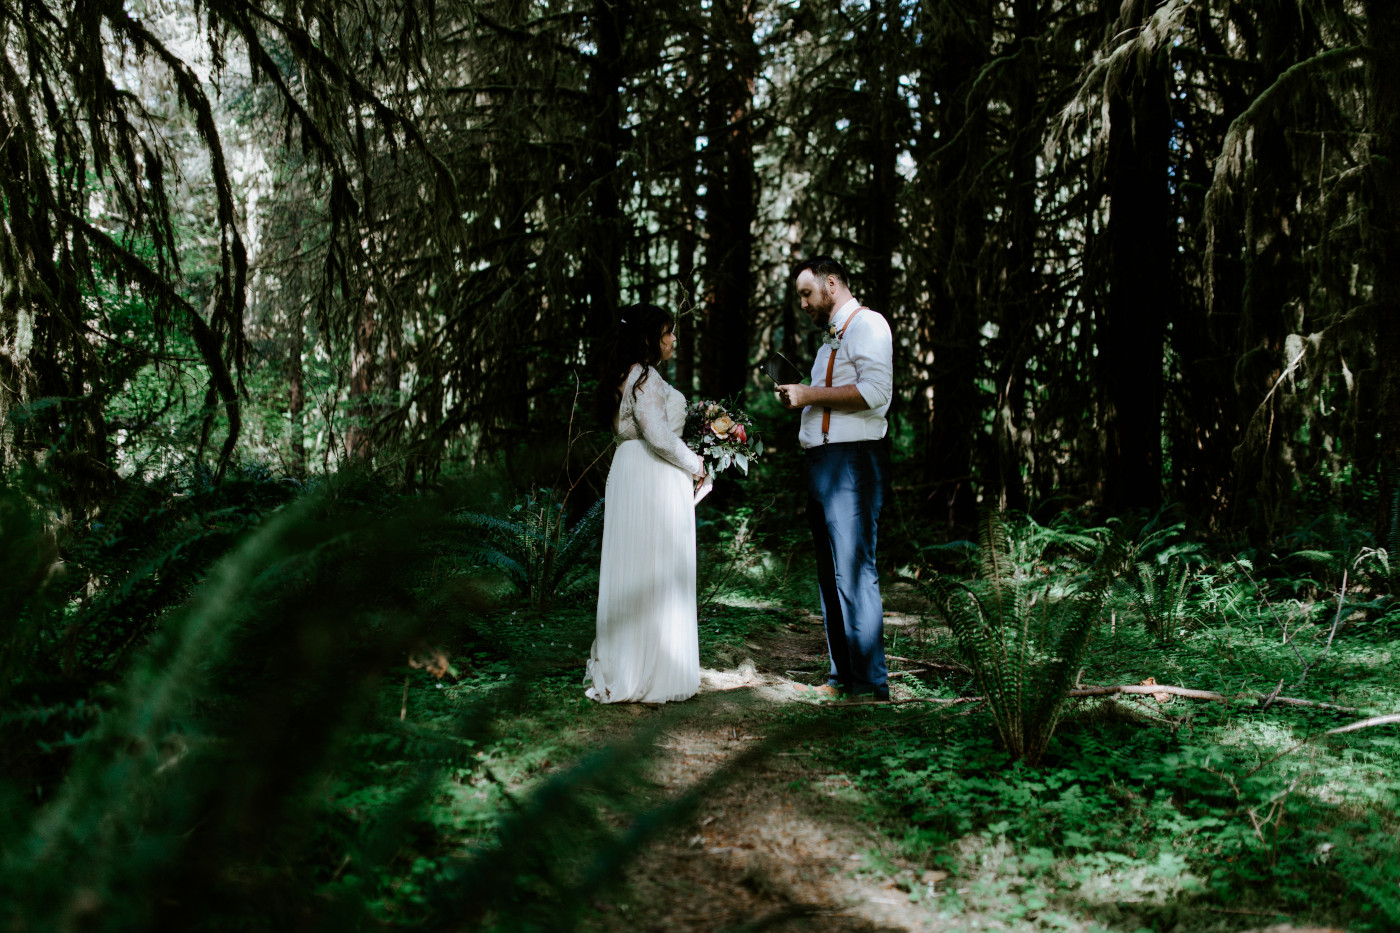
{"x": 780, "y": 848}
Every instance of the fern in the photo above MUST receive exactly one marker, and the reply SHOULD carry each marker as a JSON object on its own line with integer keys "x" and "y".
{"x": 569, "y": 565}
{"x": 1161, "y": 593}
{"x": 536, "y": 549}
{"x": 1127, "y": 545}
{"x": 1156, "y": 569}
{"x": 1023, "y": 643}
{"x": 1376, "y": 563}
{"x": 1392, "y": 535}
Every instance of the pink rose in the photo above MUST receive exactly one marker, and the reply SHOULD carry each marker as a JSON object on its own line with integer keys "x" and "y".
{"x": 741, "y": 434}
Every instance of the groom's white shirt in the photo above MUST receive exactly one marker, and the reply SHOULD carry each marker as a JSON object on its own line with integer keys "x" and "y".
{"x": 865, "y": 359}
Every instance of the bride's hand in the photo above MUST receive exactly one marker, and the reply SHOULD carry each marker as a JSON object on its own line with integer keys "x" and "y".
{"x": 702, "y": 488}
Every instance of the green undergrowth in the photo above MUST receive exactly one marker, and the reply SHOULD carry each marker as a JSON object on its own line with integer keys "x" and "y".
{"x": 1148, "y": 813}
{"x": 1144, "y": 814}
{"x": 1129, "y": 824}
{"x": 535, "y": 728}
{"x": 527, "y": 667}
{"x": 233, "y": 707}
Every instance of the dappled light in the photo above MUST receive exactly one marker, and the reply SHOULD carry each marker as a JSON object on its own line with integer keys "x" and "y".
{"x": 724, "y": 466}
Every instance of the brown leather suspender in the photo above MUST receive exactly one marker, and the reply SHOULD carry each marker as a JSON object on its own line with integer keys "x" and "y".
{"x": 831, "y": 368}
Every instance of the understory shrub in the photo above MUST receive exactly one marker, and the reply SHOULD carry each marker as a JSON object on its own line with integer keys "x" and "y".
{"x": 534, "y": 545}
{"x": 1023, "y": 637}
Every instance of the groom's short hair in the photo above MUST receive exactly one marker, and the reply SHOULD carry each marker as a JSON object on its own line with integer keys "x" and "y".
{"x": 821, "y": 267}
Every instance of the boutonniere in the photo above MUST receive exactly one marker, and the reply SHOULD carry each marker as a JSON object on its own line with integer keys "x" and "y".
{"x": 830, "y": 337}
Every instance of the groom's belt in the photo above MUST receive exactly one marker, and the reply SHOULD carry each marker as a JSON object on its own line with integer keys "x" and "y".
{"x": 876, "y": 444}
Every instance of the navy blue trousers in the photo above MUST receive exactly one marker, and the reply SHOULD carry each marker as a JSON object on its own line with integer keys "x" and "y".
{"x": 846, "y": 487}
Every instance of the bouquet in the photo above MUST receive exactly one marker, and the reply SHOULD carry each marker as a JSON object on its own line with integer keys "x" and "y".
{"x": 723, "y": 438}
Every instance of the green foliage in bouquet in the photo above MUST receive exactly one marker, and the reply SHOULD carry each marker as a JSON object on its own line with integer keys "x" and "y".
{"x": 1023, "y": 638}
{"x": 541, "y": 555}
{"x": 724, "y": 437}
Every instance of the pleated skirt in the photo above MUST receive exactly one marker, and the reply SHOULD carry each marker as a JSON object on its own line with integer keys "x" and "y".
{"x": 647, "y": 645}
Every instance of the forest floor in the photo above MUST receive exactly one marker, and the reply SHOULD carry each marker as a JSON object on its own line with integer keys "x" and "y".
{"x": 780, "y": 847}
{"x": 790, "y": 842}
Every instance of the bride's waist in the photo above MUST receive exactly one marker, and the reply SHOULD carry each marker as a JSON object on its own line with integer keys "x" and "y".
{"x": 633, "y": 440}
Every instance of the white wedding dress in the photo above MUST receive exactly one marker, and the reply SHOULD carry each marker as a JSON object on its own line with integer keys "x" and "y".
{"x": 647, "y": 646}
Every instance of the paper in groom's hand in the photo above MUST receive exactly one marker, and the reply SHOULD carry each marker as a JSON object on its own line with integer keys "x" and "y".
{"x": 781, "y": 370}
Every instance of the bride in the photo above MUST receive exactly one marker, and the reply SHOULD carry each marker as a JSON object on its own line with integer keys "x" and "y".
{"x": 647, "y": 645}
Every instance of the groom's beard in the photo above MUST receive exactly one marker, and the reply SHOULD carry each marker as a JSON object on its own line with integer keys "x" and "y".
{"x": 823, "y": 304}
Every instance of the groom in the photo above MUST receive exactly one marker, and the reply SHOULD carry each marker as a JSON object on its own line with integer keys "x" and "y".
{"x": 842, "y": 433}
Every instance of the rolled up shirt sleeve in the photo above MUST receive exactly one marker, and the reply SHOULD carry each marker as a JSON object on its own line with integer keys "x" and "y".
{"x": 872, "y": 355}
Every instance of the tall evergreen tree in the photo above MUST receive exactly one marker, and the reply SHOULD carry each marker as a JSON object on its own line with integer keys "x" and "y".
{"x": 951, "y": 149}
{"x": 1131, "y": 331}
{"x": 1383, "y": 232}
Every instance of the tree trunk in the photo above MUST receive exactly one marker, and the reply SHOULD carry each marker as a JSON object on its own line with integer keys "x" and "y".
{"x": 951, "y": 149}
{"x": 16, "y": 339}
{"x": 730, "y": 201}
{"x": 1203, "y": 430}
{"x": 296, "y": 392}
{"x": 40, "y": 301}
{"x": 1133, "y": 328}
{"x": 883, "y": 236}
{"x": 362, "y": 373}
{"x": 606, "y": 141}
{"x": 1383, "y": 223}
{"x": 687, "y": 316}
{"x": 1263, "y": 475}
{"x": 1016, "y": 335}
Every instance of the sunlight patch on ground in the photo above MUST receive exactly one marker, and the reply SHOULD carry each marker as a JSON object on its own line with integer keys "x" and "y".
{"x": 736, "y": 600}
{"x": 745, "y": 675}
{"x": 1021, "y": 888}
{"x": 1264, "y": 735}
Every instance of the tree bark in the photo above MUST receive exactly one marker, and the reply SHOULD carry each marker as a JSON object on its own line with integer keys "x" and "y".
{"x": 1383, "y": 231}
{"x": 1016, "y": 334}
{"x": 362, "y": 374}
{"x": 951, "y": 147}
{"x": 606, "y": 141}
{"x": 296, "y": 392}
{"x": 883, "y": 79}
{"x": 1133, "y": 327}
{"x": 730, "y": 201}
{"x": 1263, "y": 478}
{"x": 687, "y": 324}
{"x": 1207, "y": 417}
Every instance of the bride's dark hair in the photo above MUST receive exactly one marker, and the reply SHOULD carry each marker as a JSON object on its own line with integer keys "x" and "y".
{"x": 636, "y": 339}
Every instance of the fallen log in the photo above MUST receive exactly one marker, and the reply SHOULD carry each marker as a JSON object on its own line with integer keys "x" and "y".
{"x": 1366, "y": 723}
{"x": 1189, "y": 693}
{"x": 1203, "y": 695}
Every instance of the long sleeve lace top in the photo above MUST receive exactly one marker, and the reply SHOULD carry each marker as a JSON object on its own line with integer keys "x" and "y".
{"x": 656, "y": 416}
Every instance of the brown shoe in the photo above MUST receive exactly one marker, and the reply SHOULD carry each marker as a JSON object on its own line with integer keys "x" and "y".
{"x": 824, "y": 692}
